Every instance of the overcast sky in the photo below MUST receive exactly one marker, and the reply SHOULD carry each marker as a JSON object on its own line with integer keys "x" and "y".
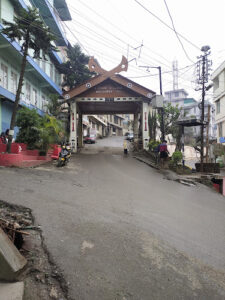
{"x": 108, "y": 29}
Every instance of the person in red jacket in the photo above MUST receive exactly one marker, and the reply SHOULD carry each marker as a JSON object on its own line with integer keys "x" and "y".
{"x": 163, "y": 152}
{"x": 3, "y": 139}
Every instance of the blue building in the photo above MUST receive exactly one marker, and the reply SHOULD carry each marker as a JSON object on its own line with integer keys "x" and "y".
{"x": 42, "y": 78}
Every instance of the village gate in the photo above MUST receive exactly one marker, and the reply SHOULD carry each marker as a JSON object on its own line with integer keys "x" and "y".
{"x": 109, "y": 93}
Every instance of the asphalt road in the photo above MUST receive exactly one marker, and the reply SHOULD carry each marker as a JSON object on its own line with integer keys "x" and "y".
{"x": 118, "y": 230}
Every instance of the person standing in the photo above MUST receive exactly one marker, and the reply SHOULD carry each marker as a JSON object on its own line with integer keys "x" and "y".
{"x": 7, "y": 135}
{"x": 163, "y": 152}
{"x": 125, "y": 151}
{"x": 3, "y": 138}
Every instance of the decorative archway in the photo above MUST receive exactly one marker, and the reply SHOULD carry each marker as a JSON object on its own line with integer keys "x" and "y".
{"x": 109, "y": 93}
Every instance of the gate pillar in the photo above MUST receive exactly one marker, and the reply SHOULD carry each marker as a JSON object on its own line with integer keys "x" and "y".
{"x": 80, "y": 130}
{"x": 136, "y": 130}
{"x": 73, "y": 126}
{"x": 145, "y": 131}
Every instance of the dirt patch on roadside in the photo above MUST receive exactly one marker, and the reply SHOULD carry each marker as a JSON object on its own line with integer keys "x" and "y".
{"x": 43, "y": 280}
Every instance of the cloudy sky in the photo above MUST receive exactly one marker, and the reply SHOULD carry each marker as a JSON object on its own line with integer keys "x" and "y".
{"x": 108, "y": 29}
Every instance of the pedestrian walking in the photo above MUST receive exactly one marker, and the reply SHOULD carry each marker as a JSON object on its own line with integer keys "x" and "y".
{"x": 163, "y": 152}
{"x": 125, "y": 147}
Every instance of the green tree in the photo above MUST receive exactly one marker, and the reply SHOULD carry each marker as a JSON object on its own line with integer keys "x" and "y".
{"x": 171, "y": 115}
{"x": 29, "y": 123}
{"x": 37, "y": 132}
{"x": 50, "y": 132}
{"x": 54, "y": 106}
{"x": 152, "y": 125}
{"x": 31, "y": 31}
{"x": 75, "y": 70}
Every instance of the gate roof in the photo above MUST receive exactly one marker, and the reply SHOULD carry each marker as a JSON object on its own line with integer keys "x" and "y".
{"x": 127, "y": 86}
{"x": 108, "y": 86}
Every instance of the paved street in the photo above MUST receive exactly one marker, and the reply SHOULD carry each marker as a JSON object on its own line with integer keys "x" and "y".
{"x": 118, "y": 230}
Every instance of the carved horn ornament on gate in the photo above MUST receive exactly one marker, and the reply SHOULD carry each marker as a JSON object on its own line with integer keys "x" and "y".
{"x": 95, "y": 66}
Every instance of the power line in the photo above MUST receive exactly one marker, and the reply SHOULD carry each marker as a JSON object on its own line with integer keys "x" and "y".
{"x": 71, "y": 32}
{"x": 164, "y": 23}
{"x": 83, "y": 47}
{"x": 114, "y": 26}
{"x": 103, "y": 29}
{"x": 176, "y": 31}
{"x": 108, "y": 59}
{"x": 75, "y": 36}
{"x": 80, "y": 15}
{"x": 123, "y": 17}
{"x": 166, "y": 72}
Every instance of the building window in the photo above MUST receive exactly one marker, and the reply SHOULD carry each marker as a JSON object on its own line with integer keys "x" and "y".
{"x": 43, "y": 103}
{"x": 14, "y": 82}
{"x": 28, "y": 93}
{"x": 216, "y": 83}
{"x": 115, "y": 120}
{"x": 34, "y": 99}
{"x": 218, "y": 106}
{"x": 56, "y": 77}
{"x": 4, "y": 76}
{"x": 220, "y": 129}
{"x": 176, "y": 94}
{"x": 44, "y": 65}
{"x": 52, "y": 71}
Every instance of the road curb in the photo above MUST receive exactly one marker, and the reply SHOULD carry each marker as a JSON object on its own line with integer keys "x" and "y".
{"x": 147, "y": 162}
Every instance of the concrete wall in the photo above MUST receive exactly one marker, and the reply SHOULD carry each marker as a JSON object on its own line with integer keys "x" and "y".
{"x": 6, "y": 113}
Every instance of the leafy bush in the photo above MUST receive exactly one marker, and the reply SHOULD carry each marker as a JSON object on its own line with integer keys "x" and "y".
{"x": 37, "y": 132}
{"x": 50, "y": 131}
{"x": 152, "y": 145}
{"x": 29, "y": 123}
{"x": 177, "y": 157}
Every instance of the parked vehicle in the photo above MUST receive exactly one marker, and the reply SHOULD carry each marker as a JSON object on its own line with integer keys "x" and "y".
{"x": 130, "y": 137}
{"x": 90, "y": 139}
{"x": 64, "y": 156}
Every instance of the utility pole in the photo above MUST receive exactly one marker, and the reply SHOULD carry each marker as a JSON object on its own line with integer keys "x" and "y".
{"x": 203, "y": 75}
{"x": 207, "y": 134}
{"x": 160, "y": 87}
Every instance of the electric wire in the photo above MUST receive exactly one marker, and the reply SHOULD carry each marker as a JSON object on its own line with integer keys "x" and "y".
{"x": 103, "y": 29}
{"x": 164, "y": 23}
{"x": 166, "y": 72}
{"x": 167, "y": 8}
{"x": 60, "y": 36}
{"x": 114, "y": 26}
{"x": 55, "y": 33}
